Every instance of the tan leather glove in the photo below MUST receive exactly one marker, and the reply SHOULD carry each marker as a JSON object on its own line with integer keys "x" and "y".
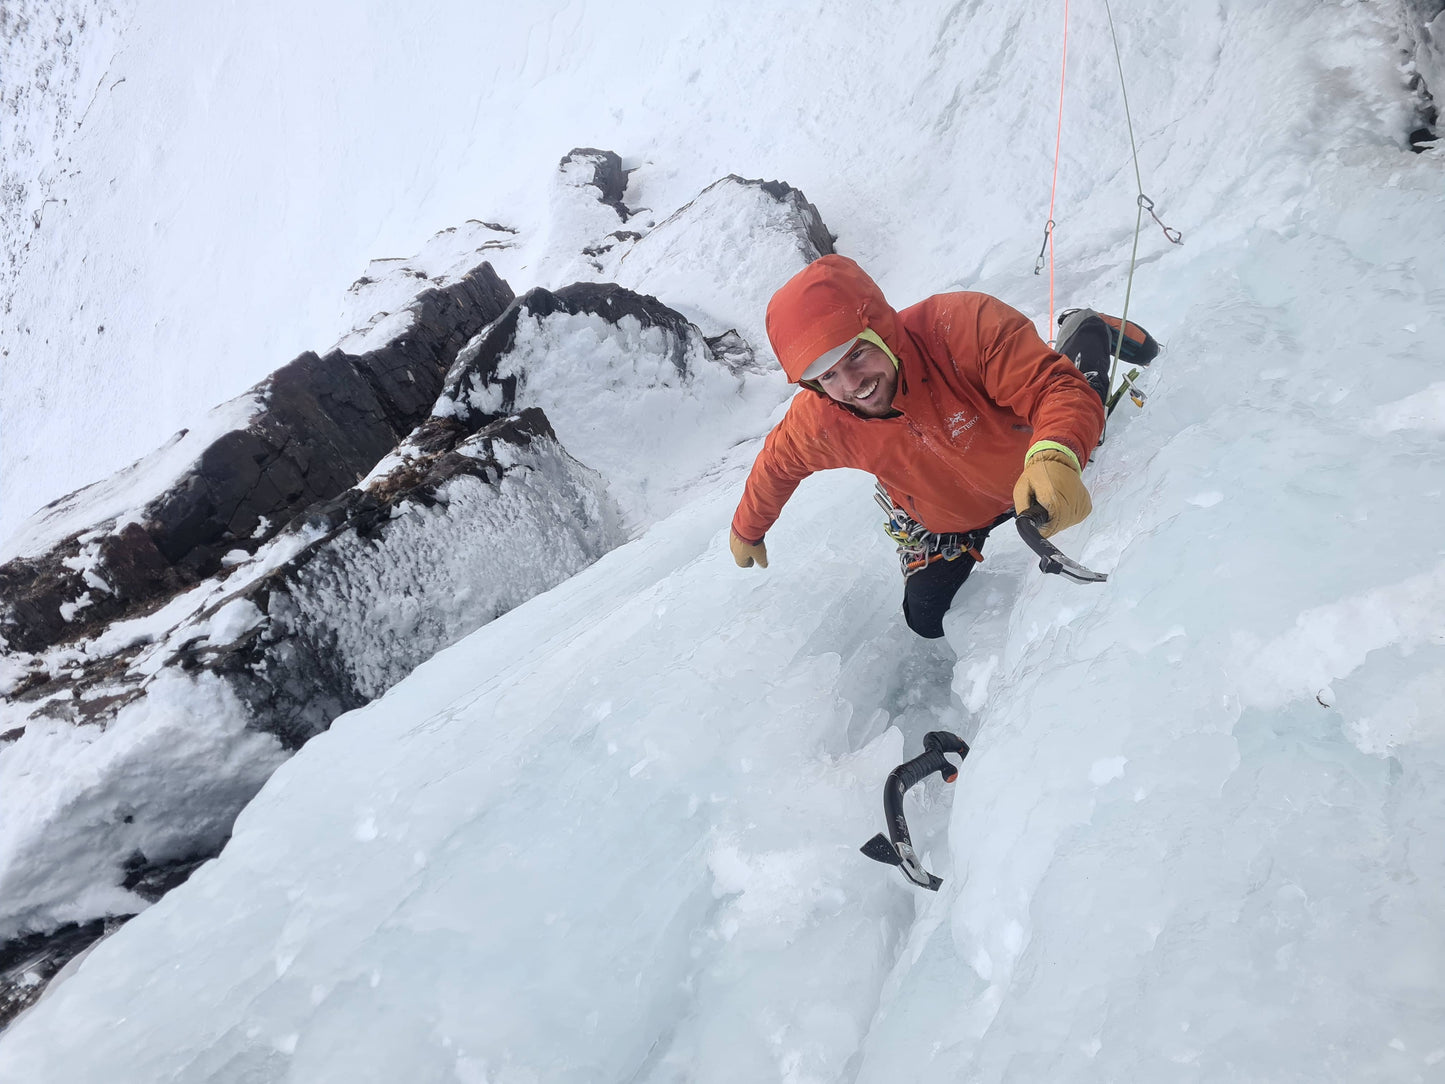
{"x": 745, "y": 553}
{"x": 1051, "y": 479}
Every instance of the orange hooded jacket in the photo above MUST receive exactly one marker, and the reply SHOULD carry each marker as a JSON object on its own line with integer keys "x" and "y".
{"x": 977, "y": 388}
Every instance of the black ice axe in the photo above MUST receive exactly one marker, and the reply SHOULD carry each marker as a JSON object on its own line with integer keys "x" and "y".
{"x": 1050, "y": 559}
{"x": 896, "y": 848}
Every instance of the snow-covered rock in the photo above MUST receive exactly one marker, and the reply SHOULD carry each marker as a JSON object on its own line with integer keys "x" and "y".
{"x": 404, "y": 565}
{"x": 389, "y": 286}
{"x": 586, "y": 223}
{"x": 601, "y": 359}
{"x": 718, "y": 258}
{"x": 1423, "y": 39}
{"x": 304, "y": 434}
{"x": 588, "y": 228}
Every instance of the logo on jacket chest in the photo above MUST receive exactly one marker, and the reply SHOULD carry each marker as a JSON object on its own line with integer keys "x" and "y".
{"x": 959, "y": 423}
{"x": 949, "y": 437}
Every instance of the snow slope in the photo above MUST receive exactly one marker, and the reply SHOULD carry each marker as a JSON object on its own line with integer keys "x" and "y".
{"x": 612, "y": 835}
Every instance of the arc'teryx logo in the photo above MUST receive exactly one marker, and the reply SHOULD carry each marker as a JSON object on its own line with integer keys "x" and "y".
{"x": 959, "y": 423}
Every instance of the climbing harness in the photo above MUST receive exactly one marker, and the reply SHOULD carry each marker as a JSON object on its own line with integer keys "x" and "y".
{"x": 896, "y": 848}
{"x": 918, "y": 547}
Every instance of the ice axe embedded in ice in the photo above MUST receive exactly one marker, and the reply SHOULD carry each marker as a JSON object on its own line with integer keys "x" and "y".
{"x": 896, "y": 848}
{"x": 1050, "y": 559}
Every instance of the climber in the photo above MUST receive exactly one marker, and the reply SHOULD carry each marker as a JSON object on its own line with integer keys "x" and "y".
{"x": 962, "y": 413}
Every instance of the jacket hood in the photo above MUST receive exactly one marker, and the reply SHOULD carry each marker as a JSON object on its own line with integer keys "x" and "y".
{"x": 823, "y": 306}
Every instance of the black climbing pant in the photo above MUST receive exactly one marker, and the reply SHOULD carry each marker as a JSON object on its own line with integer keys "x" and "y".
{"x": 929, "y": 592}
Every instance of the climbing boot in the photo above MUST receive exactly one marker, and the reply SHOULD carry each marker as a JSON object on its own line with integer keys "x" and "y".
{"x": 1138, "y": 346}
{"x": 1084, "y": 339}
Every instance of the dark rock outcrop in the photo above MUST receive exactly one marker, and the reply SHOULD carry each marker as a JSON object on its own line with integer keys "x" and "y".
{"x": 320, "y": 423}
{"x": 28, "y": 963}
{"x": 756, "y": 233}
{"x": 331, "y": 638}
{"x": 734, "y": 351}
{"x": 608, "y": 176}
{"x": 477, "y": 366}
{"x": 819, "y": 236}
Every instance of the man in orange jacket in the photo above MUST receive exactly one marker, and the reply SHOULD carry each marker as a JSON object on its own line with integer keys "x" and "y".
{"x": 955, "y": 405}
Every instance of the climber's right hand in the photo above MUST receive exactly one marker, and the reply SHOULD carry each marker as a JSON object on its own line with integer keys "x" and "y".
{"x": 745, "y": 553}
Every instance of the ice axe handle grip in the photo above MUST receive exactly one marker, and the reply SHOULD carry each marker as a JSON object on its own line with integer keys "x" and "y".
{"x": 1036, "y": 515}
{"x": 1031, "y": 522}
{"x": 919, "y": 768}
{"x": 1050, "y": 559}
{"x": 935, "y": 744}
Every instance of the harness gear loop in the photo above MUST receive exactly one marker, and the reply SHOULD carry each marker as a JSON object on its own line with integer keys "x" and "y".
{"x": 918, "y": 547}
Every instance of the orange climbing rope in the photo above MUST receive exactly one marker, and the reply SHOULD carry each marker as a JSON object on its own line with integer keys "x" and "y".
{"x": 1048, "y": 245}
{"x": 1058, "y": 142}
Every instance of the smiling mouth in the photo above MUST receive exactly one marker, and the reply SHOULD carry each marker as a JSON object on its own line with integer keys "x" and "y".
{"x": 866, "y": 392}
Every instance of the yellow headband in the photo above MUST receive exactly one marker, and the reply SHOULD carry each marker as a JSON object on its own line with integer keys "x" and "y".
{"x": 868, "y": 335}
